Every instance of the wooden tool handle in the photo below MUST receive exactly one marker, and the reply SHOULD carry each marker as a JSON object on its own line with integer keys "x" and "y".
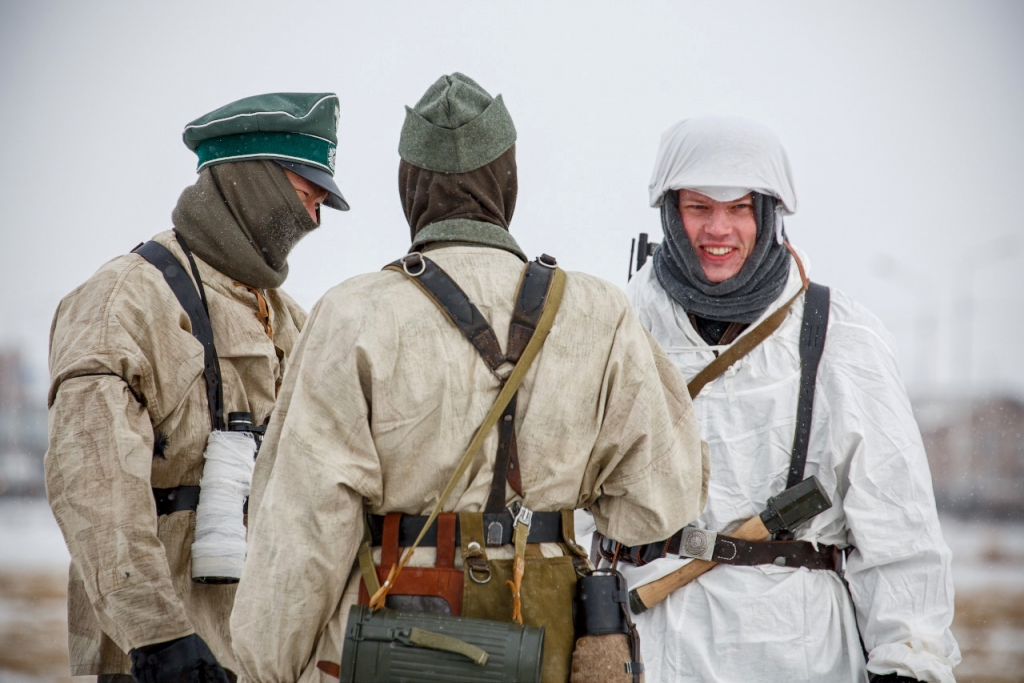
{"x": 649, "y": 595}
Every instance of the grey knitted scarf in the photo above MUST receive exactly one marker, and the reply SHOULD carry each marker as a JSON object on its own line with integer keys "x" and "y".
{"x": 243, "y": 218}
{"x": 743, "y": 297}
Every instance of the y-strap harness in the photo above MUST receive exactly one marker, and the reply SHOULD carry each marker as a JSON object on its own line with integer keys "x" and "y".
{"x": 440, "y": 288}
{"x": 784, "y": 551}
{"x": 181, "y": 498}
{"x": 537, "y": 302}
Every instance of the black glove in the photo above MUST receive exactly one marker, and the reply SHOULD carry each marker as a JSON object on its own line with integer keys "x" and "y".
{"x": 891, "y": 678}
{"x": 184, "y": 660}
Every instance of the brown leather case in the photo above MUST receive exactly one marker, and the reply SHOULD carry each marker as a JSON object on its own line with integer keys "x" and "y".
{"x": 442, "y": 580}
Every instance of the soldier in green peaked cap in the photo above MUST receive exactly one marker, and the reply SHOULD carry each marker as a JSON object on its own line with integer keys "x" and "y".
{"x": 155, "y": 365}
{"x": 414, "y": 356}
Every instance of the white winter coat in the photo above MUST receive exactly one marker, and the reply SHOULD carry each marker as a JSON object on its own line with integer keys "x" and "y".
{"x": 770, "y": 623}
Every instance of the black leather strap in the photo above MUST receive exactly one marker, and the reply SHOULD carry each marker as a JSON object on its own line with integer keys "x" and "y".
{"x": 530, "y": 299}
{"x": 730, "y": 550}
{"x": 194, "y": 304}
{"x": 812, "y": 345}
{"x": 450, "y": 298}
{"x": 545, "y": 527}
{"x": 177, "y": 499}
{"x": 533, "y": 292}
{"x": 503, "y": 460}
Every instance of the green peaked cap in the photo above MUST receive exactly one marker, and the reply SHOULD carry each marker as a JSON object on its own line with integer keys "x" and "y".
{"x": 456, "y": 127}
{"x": 288, "y": 126}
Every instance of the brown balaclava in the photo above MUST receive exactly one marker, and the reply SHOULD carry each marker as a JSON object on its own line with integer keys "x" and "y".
{"x": 243, "y": 218}
{"x": 485, "y": 194}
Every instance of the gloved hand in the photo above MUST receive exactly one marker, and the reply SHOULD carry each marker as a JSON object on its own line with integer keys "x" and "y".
{"x": 184, "y": 660}
{"x": 891, "y": 678}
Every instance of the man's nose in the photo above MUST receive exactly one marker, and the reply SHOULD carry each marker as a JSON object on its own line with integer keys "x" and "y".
{"x": 718, "y": 223}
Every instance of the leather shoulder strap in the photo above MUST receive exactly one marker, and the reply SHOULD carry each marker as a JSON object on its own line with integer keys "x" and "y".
{"x": 812, "y": 345}
{"x": 453, "y": 302}
{"x": 533, "y": 291}
{"x": 190, "y": 300}
{"x": 552, "y": 303}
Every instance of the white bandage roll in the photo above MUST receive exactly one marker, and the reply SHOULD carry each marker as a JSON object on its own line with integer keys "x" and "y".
{"x": 218, "y": 552}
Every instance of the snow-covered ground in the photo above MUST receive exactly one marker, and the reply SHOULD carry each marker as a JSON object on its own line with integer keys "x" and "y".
{"x": 988, "y": 570}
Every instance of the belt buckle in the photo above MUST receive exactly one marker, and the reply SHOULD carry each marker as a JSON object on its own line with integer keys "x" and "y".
{"x": 698, "y": 543}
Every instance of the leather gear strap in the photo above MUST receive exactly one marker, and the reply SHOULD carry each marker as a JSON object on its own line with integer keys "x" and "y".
{"x": 547, "y": 527}
{"x": 177, "y": 499}
{"x": 505, "y": 468}
{"x": 453, "y": 302}
{"x": 530, "y": 297}
{"x": 736, "y": 551}
{"x": 812, "y": 346}
{"x": 194, "y": 303}
{"x": 547, "y": 319}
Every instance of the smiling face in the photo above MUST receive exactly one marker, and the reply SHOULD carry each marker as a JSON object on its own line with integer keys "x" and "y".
{"x": 722, "y": 233}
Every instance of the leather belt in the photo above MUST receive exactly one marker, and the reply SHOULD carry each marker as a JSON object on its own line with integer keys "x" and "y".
{"x": 546, "y": 527}
{"x": 177, "y": 499}
{"x": 736, "y": 551}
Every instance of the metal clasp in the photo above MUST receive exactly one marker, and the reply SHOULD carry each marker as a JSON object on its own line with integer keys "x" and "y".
{"x": 547, "y": 261}
{"x": 520, "y": 515}
{"x": 414, "y": 259}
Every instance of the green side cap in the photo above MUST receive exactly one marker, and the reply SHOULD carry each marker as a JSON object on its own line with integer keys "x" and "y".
{"x": 456, "y": 127}
{"x": 297, "y": 127}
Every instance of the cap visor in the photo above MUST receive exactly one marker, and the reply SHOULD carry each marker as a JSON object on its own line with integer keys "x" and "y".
{"x": 318, "y": 177}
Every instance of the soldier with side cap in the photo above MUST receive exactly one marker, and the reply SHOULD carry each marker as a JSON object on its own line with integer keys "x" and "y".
{"x": 139, "y": 382}
{"x": 384, "y": 393}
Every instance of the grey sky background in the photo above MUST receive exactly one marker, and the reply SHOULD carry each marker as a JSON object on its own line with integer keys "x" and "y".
{"x": 904, "y": 123}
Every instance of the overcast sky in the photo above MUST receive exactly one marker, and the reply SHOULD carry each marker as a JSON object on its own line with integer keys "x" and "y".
{"x": 904, "y": 123}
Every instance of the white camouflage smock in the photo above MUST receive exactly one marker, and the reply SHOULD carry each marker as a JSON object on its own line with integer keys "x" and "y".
{"x": 777, "y": 624}
{"x": 383, "y": 396}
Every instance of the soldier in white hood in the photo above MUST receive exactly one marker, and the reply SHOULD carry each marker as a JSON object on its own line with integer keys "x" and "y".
{"x": 881, "y": 609}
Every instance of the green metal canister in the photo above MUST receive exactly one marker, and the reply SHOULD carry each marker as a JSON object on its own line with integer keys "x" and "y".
{"x": 379, "y": 647}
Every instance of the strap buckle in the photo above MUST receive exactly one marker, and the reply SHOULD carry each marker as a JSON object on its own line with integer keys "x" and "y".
{"x": 520, "y": 515}
{"x": 547, "y": 261}
{"x": 414, "y": 259}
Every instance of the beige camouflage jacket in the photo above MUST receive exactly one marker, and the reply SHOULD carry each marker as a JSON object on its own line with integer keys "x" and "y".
{"x": 127, "y": 383}
{"x": 383, "y": 396}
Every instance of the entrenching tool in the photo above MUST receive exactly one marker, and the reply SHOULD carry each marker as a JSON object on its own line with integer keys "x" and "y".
{"x": 784, "y": 512}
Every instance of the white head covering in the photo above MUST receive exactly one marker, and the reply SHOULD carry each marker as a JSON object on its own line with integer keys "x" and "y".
{"x": 723, "y": 157}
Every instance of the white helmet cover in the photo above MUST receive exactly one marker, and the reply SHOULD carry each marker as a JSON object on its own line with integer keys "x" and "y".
{"x": 723, "y": 157}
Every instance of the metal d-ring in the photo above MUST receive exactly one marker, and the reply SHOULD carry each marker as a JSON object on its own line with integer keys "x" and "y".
{"x": 547, "y": 261}
{"x": 476, "y": 580}
{"x": 414, "y": 258}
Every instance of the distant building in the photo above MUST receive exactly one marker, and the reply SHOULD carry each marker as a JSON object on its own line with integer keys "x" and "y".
{"x": 23, "y": 431}
{"x": 975, "y": 448}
